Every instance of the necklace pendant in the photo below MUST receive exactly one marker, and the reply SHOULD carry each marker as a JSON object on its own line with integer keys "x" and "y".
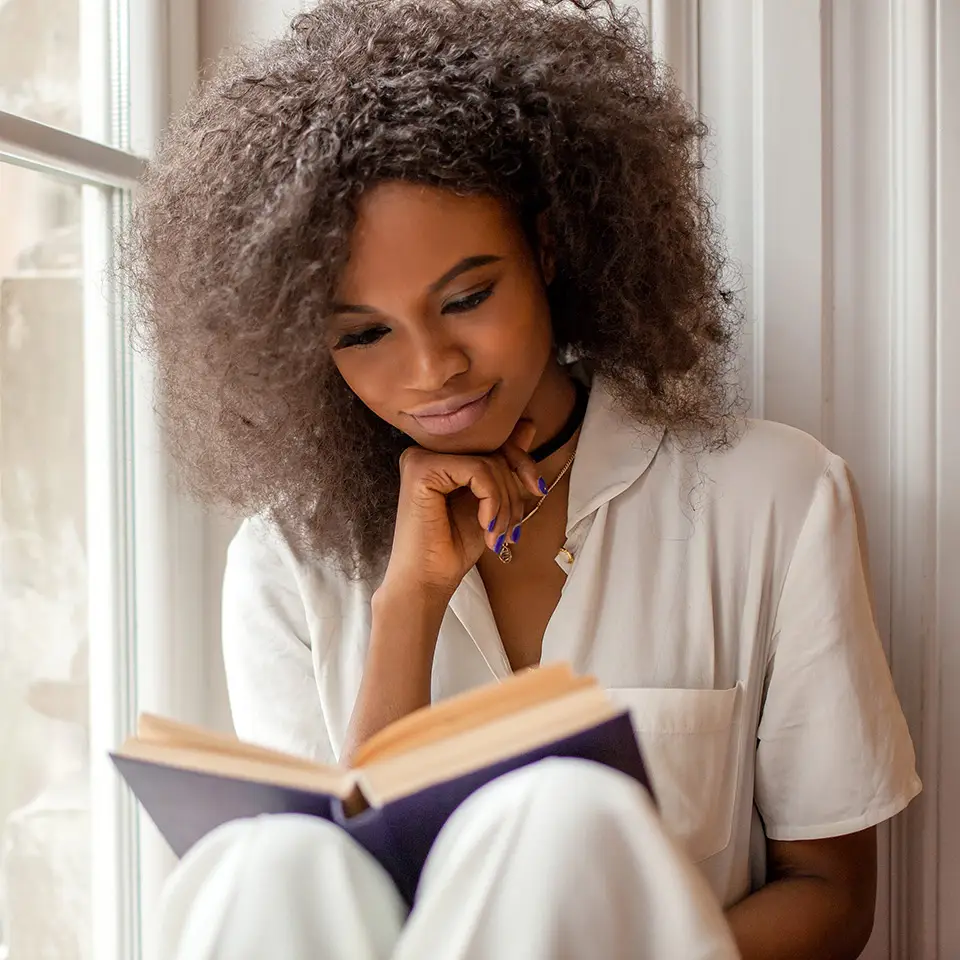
{"x": 505, "y": 554}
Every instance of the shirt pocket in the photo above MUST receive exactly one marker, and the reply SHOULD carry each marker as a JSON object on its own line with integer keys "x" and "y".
{"x": 691, "y": 747}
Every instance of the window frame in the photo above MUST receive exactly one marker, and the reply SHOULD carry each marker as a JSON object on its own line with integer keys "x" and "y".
{"x": 139, "y": 63}
{"x": 48, "y": 150}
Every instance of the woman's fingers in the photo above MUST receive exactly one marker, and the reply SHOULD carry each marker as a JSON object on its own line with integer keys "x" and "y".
{"x": 499, "y": 525}
{"x": 428, "y": 474}
{"x": 523, "y": 434}
{"x": 524, "y": 467}
{"x": 511, "y": 533}
{"x": 498, "y": 482}
{"x": 517, "y": 473}
{"x": 486, "y": 484}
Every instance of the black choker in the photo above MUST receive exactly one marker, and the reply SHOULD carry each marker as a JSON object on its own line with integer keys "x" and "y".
{"x": 568, "y": 429}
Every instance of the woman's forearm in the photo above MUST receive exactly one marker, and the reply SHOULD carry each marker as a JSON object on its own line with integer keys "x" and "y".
{"x": 800, "y": 918}
{"x": 396, "y": 676}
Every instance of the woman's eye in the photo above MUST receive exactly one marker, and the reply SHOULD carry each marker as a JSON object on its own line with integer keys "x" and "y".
{"x": 469, "y": 302}
{"x": 362, "y": 338}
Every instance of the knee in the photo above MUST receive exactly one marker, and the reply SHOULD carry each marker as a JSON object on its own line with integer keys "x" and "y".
{"x": 555, "y": 815}
{"x": 580, "y": 782}
{"x": 572, "y": 794}
{"x": 283, "y": 841}
{"x": 234, "y": 865}
{"x": 271, "y": 846}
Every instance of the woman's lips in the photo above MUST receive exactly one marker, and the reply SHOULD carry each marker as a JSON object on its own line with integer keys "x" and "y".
{"x": 442, "y": 425}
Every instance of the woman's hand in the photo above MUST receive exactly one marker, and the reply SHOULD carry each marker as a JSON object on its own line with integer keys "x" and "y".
{"x": 453, "y": 507}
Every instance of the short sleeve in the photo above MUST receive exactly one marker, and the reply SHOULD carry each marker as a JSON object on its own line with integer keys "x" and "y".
{"x": 834, "y": 755}
{"x": 274, "y": 697}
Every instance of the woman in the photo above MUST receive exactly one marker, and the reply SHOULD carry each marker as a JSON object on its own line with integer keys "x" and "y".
{"x": 436, "y": 300}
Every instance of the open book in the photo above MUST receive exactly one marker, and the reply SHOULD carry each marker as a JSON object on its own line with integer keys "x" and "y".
{"x": 404, "y": 782}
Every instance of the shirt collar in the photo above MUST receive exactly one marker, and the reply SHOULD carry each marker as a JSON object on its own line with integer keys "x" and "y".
{"x": 613, "y": 451}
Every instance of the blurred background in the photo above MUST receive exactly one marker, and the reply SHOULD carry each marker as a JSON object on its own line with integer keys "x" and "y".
{"x": 835, "y": 164}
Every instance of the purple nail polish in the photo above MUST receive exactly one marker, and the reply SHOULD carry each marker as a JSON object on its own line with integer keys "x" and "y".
{"x": 491, "y": 525}
{"x": 542, "y": 484}
{"x": 516, "y": 534}
{"x": 500, "y": 541}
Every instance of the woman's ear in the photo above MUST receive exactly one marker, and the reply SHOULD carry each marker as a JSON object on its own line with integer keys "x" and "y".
{"x": 546, "y": 247}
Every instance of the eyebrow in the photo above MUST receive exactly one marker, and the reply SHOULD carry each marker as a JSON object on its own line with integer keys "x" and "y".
{"x": 466, "y": 264}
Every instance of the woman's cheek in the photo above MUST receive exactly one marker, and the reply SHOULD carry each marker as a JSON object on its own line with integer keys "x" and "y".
{"x": 374, "y": 376}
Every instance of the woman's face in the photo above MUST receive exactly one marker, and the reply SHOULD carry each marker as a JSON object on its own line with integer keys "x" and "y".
{"x": 441, "y": 325}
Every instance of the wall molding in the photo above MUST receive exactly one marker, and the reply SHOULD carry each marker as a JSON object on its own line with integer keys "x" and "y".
{"x": 675, "y": 35}
{"x": 945, "y": 845}
{"x": 913, "y": 459}
{"x": 171, "y": 651}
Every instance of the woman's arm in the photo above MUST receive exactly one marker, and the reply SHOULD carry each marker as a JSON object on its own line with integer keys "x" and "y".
{"x": 396, "y": 676}
{"x": 818, "y": 903}
{"x": 833, "y": 748}
{"x": 451, "y": 509}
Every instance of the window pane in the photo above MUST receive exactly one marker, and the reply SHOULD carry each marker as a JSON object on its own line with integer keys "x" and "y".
{"x": 44, "y": 790}
{"x": 55, "y": 63}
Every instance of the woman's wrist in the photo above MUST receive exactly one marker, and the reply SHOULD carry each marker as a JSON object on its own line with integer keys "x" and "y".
{"x": 409, "y": 613}
{"x": 399, "y": 593}
{"x": 413, "y": 612}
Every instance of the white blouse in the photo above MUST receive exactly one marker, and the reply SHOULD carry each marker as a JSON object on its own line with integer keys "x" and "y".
{"x": 721, "y": 596}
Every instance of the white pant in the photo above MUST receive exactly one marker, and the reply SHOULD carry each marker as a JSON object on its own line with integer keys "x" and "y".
{"x": 562, "y": 860}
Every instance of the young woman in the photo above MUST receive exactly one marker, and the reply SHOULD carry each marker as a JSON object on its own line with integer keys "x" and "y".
{"x": 436, "y": 301}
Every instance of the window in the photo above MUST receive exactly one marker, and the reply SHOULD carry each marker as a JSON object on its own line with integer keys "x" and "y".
{"x": 40, "y": 62}
{"x": 80, "y": 81}
{"x": 44, "y": 808}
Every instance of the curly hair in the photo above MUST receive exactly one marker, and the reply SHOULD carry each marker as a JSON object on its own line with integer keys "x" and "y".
{"x": 244, "y": 220}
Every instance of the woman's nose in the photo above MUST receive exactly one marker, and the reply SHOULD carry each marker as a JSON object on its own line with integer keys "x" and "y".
{"x": 435, "y": 359}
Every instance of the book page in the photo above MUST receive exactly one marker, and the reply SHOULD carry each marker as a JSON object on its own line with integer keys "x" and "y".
{"x": 480, "y": 747}
{"x": 165, "y": 732}
{"x": 458, "y": 714}
{"x": 312, "y": 778}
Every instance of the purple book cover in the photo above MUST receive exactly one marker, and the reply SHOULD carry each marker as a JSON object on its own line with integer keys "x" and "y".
{"x": 186, "y": 805}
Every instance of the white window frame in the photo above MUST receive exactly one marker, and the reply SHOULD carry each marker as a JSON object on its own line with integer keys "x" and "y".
{"x": 145, "y": 608}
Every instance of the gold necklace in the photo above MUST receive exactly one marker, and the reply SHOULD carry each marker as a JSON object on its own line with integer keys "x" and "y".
{"x": 506, "y": 554}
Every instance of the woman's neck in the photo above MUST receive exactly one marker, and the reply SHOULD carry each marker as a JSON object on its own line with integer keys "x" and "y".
{"x": 549, "y": 409}
{"x": 551, "y": 466}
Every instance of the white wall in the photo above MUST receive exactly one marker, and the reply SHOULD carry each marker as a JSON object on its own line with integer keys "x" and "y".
{"x": 225, "y": 24}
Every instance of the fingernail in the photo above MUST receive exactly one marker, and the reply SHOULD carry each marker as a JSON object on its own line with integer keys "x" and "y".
{"x": 500, "y": 541}
{"x": 542, "y": 484}
{"x": 516, "y": 534}
{"x": 491, "y": 525}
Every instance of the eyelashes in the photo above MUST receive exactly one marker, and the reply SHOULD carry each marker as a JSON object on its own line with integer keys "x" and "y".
{"x": 362, "y": 338}
{"x": 375, "y": 333}
{"x": 470, "y": 302}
